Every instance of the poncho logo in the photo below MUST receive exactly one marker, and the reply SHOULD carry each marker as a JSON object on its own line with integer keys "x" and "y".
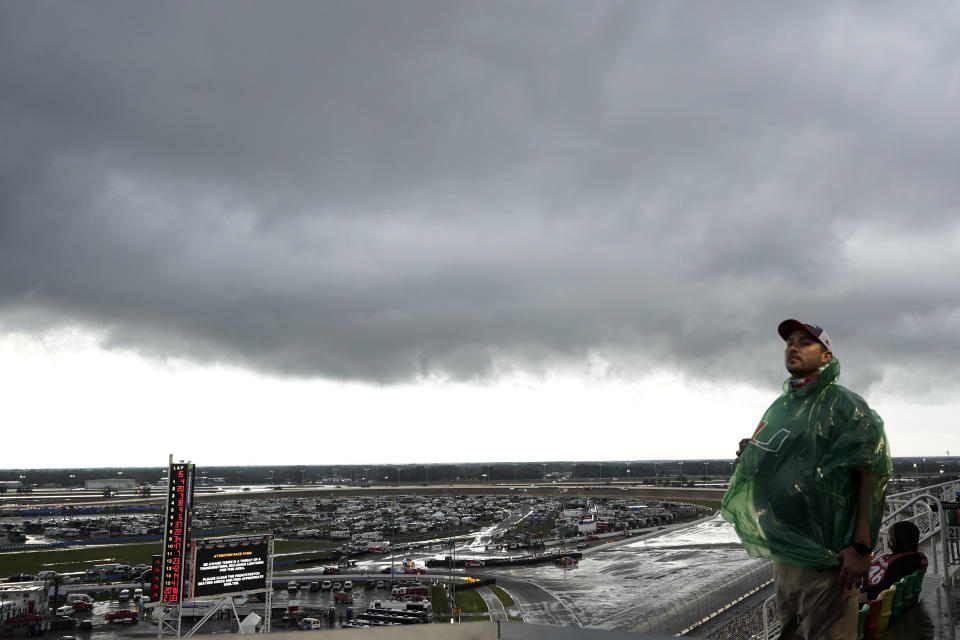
{"x": 774, "y": 442}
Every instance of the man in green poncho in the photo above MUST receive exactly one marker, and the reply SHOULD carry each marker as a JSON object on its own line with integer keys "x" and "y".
{"x": 808, "y": 490}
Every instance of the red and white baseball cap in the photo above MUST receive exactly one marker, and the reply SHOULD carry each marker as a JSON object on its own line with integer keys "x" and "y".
{"x": 789, "y": 326}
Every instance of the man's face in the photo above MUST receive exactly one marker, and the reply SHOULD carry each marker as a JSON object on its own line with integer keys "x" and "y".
{"x": 804, "y": 354}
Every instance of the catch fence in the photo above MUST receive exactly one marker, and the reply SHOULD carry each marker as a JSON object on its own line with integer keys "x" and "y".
{"x": 719, "y": 593}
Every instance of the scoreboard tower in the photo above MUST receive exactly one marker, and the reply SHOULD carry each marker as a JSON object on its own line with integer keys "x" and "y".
{"x": 213, "y": 570}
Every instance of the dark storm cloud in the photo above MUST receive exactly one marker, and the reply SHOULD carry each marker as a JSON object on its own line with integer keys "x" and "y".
{"x": 381, "y": 191}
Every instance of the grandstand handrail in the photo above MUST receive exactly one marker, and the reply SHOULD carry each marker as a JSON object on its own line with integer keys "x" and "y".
{"x": 929, "y": 489}
{"x": 898, "y": 502}
{"x": 936, "y": 526}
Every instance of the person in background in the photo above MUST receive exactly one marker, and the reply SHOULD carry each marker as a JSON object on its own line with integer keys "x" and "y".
{"x": 903, "y": 559}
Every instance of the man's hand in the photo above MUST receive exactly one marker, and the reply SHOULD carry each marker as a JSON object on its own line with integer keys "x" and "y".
{"x": 743, "y": 445}
{"x": 853, "y": 568}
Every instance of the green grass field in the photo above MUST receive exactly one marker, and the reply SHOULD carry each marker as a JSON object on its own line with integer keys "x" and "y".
{"x": 502, "y": 595}
{"x": 469, "y": 601}
{"x": 438, "y": 599}
{"x": 67, "y": 560}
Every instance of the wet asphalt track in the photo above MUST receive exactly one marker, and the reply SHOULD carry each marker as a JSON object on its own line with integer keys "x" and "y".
{"x": 619, "y": 585}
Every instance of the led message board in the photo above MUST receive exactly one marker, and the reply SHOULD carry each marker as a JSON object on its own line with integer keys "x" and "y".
{"x": 230, "y": 565}
{"x": 177, "y": 530}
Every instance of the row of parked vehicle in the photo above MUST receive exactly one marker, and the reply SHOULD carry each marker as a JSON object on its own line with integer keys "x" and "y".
{"x": 326, "y": 585}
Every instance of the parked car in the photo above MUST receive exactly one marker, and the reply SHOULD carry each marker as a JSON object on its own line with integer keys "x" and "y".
{"x": 65, "y": 610}
{"x": 63, "y": 622}
{"x": 124, "y": 594}
{"x": 20, "y": 577}
{"x": 79, "y": 597}
{"x": 380, "y": 584}
{"x": 337, "y": 586}
{"x": 473, "y": 563}
{"x": 348, "y": 585}
{"x": 310, "y": 623}
{"x": 122, "y": 615}
{"x": 370, "y": 584}
{"x": 326, "y": 584}
{"x": 81, "y": 605}
{"x": 343, "y": 596}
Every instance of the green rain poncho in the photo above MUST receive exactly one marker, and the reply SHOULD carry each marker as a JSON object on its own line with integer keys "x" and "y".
{"x": 793, "y": 496}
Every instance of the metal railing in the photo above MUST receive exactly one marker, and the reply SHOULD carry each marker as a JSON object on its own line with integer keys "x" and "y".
{"x": 680, "y": 615}
{"x": 923, "y": 507}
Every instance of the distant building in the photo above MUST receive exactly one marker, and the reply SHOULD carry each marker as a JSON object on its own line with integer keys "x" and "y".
{"x": 20, "y": 598}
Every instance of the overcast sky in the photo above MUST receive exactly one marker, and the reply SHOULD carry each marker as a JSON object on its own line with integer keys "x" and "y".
{"x": 453, "y": 231}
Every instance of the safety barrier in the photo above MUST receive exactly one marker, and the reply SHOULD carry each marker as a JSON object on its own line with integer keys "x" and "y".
{"x": 676, "y": 616}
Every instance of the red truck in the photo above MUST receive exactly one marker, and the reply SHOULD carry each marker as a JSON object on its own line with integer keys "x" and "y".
{"x": 123, "y": 615}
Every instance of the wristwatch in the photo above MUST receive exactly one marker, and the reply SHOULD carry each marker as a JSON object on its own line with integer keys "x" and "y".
{"x": 862, "y": 549}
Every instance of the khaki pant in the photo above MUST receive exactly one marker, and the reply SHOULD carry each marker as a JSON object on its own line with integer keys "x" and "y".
{"x": 811, "y": 604}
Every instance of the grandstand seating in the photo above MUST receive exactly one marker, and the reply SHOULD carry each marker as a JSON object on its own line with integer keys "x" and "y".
{"x": 889, "y": 595}
{"x": 862, "y": 619}
{"x": 902, "y": 596}
{"x": 918, "y": 585}
{"x": 873, "y": 616}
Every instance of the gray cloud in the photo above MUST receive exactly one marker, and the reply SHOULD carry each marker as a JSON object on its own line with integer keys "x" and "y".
{"x": 381, "y": 191}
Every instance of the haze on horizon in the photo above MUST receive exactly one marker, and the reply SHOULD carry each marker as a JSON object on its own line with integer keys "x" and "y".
{"x": 426, "y": 231}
